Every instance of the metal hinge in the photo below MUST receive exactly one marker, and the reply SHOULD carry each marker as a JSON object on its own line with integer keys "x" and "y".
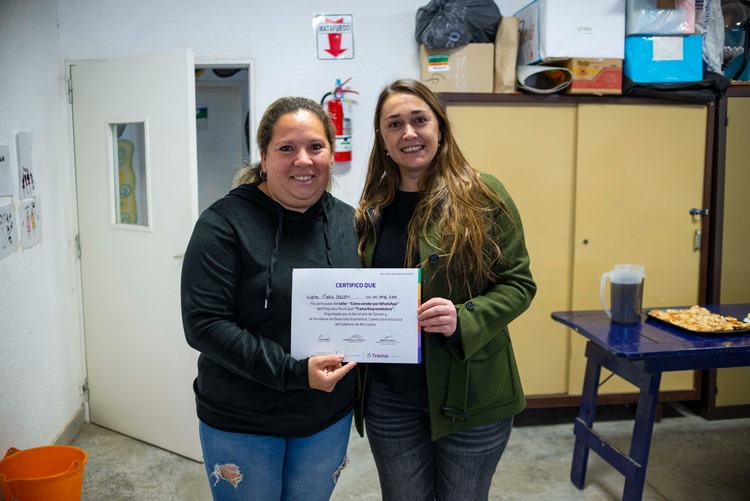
{"x": 78, "y": 246}
{"x": 70, "y": 90}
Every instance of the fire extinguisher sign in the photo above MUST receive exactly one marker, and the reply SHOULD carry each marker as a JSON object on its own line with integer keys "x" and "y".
{"x": 335, "y": 36}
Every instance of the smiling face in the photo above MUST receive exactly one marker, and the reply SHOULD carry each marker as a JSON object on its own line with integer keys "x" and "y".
{"x": 411, "y": 133}
{"x": 297, "y": 162}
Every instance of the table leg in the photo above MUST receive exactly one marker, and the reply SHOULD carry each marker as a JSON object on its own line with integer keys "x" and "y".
{"x": 632, "y": 465}
{"x": 640, "y": 445}
{"x": 585, "y": 419}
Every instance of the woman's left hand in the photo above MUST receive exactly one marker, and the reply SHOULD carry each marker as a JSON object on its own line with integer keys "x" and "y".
{"x": 438, "y": 315}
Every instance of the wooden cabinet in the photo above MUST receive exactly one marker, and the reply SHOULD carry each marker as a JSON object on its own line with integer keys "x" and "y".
{"x": 598, "y": 181}
{"x": 727, "y": 391}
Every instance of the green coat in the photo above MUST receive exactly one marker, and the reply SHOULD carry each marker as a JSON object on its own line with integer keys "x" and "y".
{"x": 476, "y": 381}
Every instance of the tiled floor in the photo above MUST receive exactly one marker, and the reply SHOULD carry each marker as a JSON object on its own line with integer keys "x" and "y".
{"x": 691, "y": 459}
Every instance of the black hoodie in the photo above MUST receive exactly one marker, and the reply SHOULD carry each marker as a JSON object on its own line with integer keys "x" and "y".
{"x": 236, "y": 311}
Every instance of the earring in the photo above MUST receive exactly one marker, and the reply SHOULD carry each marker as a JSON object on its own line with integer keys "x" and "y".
{"x": 263, "y": 175}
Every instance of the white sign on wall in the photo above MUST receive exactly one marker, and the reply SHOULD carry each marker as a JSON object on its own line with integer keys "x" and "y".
{"x": 6, "y": 181}
{"x": 27, "y": 186}
{"x": 8, "y": 232}
{"x": 30, "y": 219}
{"x": 335, "y": 36}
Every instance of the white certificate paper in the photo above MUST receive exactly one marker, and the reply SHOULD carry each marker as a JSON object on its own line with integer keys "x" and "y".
{"x": 368, "y": 315}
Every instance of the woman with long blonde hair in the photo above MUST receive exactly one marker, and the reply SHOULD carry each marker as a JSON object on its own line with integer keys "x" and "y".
{"x": 438, "y": 429}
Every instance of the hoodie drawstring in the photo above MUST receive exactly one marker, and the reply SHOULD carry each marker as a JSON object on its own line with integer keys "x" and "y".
{"x": 329, "y": 251}
{"x": 274, "y": 255}
{"x": 275, "y": 252}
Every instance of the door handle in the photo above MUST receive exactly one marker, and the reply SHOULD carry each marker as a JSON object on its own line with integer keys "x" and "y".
{"x": 697, "y": 240}
{"x": 698, "y": 212}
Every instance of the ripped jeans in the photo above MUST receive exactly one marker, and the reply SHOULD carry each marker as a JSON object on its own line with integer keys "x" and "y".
{"x": 241, "y": 466}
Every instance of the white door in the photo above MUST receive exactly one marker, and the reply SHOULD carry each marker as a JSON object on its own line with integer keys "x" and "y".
{"x": 137, "y": 203}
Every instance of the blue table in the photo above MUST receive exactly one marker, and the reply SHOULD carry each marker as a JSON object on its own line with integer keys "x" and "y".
{"x": 640, "y": 353}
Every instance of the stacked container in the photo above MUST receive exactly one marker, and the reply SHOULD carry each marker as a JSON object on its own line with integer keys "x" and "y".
{"x": 661, "y": 44}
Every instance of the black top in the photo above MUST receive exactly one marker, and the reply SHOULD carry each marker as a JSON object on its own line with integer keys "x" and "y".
{"x": 390, "y": 252}
{"x": 236, "y": 310}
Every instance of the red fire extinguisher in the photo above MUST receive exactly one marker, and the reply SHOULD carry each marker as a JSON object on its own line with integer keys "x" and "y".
{"x": 340, "y": 111}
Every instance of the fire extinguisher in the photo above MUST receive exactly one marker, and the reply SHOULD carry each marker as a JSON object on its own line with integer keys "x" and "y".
{"x": 340, "y": 111}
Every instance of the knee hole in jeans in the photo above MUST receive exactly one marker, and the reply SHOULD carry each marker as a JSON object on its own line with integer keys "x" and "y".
{"x": 337, "y": 473}
{"x": 229, "y": 472}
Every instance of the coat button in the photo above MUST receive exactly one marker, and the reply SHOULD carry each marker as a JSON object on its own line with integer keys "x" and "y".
{"x": 469, "y": 306}
{"x": 434, "y": 259}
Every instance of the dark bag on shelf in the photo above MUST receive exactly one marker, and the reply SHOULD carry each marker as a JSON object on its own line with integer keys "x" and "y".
{"x": 711, "y": 88}
{"x": 446, "y": 24}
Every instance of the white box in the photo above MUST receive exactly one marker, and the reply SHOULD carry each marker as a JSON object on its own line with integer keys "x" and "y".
{"x": 571, "y": 28}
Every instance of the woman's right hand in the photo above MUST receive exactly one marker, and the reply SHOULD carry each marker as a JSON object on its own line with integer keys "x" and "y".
{"x": 323, "y": 372}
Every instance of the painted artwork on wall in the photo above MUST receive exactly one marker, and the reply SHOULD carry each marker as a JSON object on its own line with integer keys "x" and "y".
{"x": 30, "y": 216}
{"x": 132, "y": 176}
{"x": 26, "y": 181}
{"x": 8, "y": 229}
{"x": 6, "y": 180}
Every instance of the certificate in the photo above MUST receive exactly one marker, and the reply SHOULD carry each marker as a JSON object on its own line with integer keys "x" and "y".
{"x": 368, "y": 315}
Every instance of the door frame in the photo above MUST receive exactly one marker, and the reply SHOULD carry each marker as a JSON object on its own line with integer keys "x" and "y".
{"x": 249, "y": 65}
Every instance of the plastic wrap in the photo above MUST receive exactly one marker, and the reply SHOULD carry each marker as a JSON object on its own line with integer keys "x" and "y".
{"x": 643, "y": 17}
{"x": 445, "y": 24}
{"x": 709, "y": 22}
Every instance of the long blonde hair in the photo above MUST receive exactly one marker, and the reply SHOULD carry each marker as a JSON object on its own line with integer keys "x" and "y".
{"x": 453, "y": 196}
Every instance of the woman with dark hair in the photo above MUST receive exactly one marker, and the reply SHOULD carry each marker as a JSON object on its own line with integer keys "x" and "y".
{"x": 438, "y": 429}
{"x": 271, "y": 426}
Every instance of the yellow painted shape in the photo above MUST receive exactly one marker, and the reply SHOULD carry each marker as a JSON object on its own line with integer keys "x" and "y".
{"x": 128, "y": 206}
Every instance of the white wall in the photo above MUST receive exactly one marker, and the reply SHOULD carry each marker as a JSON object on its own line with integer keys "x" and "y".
{"x": 41, "y": 361}
{"x": 278, "y": 36}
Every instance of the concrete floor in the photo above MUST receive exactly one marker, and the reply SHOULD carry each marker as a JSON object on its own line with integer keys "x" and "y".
{"x": 691, "y": 459}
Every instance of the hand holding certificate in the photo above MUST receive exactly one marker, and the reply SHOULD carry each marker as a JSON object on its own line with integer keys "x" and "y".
{"x": 368, "y": 315}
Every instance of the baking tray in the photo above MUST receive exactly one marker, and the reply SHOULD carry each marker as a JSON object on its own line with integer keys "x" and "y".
{"x": 732, "y": 332}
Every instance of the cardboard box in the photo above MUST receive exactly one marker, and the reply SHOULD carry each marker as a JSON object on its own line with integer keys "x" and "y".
{"x": 594, "y": 76}
{"x": 470, "y": 68}
{"x": 571, "y": 28}
{"x": 664, "y": 59}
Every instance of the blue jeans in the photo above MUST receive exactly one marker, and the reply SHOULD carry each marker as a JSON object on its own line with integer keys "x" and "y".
{"x": 458, "y": 466}
{"x": 245, "y": 467}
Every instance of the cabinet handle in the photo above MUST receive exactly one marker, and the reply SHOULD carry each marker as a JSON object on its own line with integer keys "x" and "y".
{"x": 697, "y": 240}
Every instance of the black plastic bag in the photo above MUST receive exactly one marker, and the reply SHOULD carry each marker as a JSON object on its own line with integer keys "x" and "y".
{"x": 711, "y": 88}
{"x": 446, "y": 24}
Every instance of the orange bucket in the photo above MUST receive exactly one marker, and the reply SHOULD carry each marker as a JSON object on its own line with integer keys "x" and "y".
{"x": 43, "y": 473}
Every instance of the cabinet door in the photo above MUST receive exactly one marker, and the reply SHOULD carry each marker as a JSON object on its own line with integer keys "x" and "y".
{"x": 732, "y": 384}
{"x": 531, "y": 150}
{"x": 639, "y": 172}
